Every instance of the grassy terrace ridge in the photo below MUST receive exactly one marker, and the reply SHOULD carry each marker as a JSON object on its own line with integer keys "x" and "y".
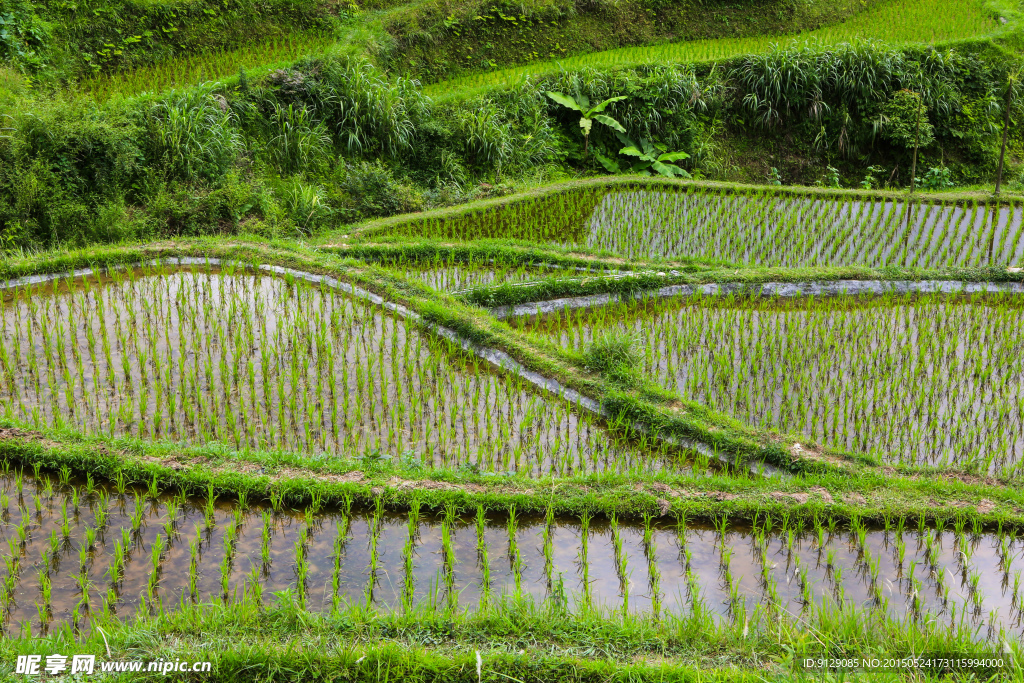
{"x": 897, "y": 22}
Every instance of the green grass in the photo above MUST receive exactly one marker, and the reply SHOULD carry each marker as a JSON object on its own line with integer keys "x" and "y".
{"x": 899, "y": 22}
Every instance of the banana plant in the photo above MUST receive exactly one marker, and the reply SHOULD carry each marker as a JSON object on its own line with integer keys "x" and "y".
{"x": 581, "y": 103}
{"x": 649, "y": 156}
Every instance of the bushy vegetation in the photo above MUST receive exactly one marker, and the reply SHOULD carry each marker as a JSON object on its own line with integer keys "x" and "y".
{"x": 335, "y": 139}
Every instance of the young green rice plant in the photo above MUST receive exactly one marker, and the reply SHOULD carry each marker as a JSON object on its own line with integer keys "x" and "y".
{"x": 583, "y": 559}
{"x": 448, "y": 551}
{"x": 265, "y": 541}
{"x": 156, "y": 559}
{"x": 653, "y": 570}
{"x": 547, "y": 547}
{"x": 193, "y": 564}
{"x": 482, "y": 557}
{"x": 45, "y": 588}
{"x": 514, "y": 557}
{"x": 138, "y": 514}
{"x": 120, "y": 482}
{"x": 374, "y": 538}
{"x": 65, "y": 525}
{"x": 228, "y": 561}
{"x": 100, "y": 511}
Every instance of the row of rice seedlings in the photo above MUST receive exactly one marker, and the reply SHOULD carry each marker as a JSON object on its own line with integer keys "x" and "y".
{"x": 912, "y": 379}
{"x": 766, "y": 228}
{"x": 555, "y": 217}
{"x": 447, "y": 273}
{"x": 263, "y": 362}
{"x": 210, "y": 65}
{"x": 953, "y": 572}
{"x": 898, "y": 22}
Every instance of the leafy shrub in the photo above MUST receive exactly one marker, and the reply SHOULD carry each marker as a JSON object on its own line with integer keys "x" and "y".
{"x": 367, "y": 113}
{"x": 899, "y": 122}
{"x": 194, "y": 136}
{"x": 374, "y": 191}
{"x": 937, "y": 178}
{"x": 296, "y": 142}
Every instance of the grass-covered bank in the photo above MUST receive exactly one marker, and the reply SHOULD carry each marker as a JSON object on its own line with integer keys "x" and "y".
{"x": 295, "y": 480}
{"x": 283, "y": 643}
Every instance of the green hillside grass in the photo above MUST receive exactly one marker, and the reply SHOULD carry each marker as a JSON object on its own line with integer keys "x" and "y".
{"x": 141, "y": 48}
{"x": 898, "y": 22}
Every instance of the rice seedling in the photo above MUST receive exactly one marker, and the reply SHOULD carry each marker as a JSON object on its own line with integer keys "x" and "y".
{"x": 583, "y": 559}
{"x": 372, "y": 542}
{"x": 482, "y": 557}
{"x": 830, "y": 367}
{"x": 448, "y": 554}
{"x": 547, "y": 548}
{"x": 514, "y": 557}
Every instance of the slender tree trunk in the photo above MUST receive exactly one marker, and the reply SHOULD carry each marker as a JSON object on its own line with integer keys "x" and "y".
{"x": 917, "y": 144}
{"x": 1002, "y": 150}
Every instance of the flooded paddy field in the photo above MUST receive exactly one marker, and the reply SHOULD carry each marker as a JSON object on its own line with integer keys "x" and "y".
{"x": 451, "y": 276}
{"x": 265, "y": 362}
{"x": 72, "y": 549}
{"x": 917, "y": 379}
{"x": 768, "y": 229}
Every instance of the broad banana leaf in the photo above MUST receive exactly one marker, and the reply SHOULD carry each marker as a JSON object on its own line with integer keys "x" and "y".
{"x": 610, "y": 122}
{"x": 564, "y": 100}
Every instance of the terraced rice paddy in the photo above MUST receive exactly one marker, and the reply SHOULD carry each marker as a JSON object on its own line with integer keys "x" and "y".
{"x": 766, "y": 229}
{"x": 71, "y": 551}
{"x": 450, "y": 275}
{"x": 929, "y": 379}
{"x": 263, "y": 362}
{"x": 896, "y": 23}
{"x": 189, "y": 70}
